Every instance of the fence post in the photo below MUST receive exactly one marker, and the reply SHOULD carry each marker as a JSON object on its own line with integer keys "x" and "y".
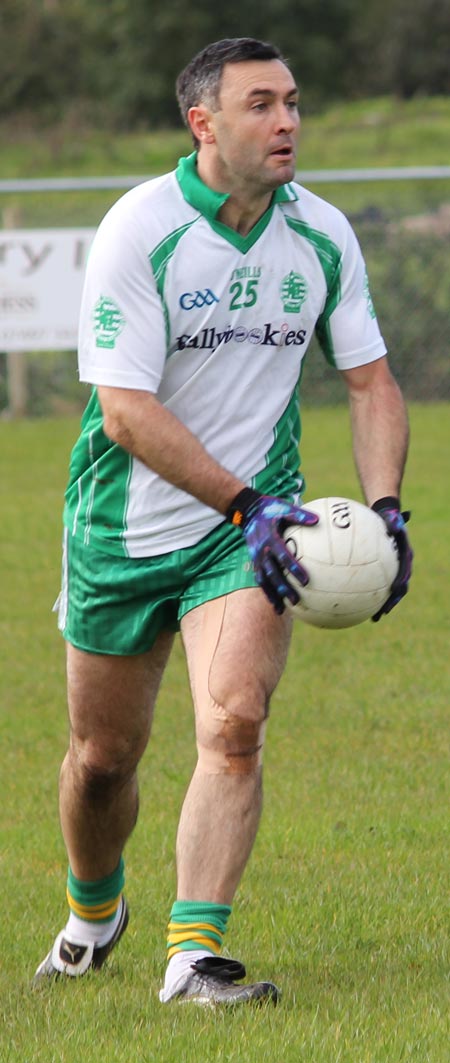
{"x": 17, "y": 384}
{"x": 16, "y": 361}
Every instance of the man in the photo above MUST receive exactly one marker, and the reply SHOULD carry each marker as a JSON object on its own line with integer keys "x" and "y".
{"x": 202, "y": 292}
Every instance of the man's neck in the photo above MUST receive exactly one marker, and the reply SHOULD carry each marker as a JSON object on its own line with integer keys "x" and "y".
{"x": 242, "y": 216}
{"x": 243, "y": 208}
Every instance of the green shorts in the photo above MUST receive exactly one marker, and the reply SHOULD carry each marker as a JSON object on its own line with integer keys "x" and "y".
{"x": 114, "y": 605}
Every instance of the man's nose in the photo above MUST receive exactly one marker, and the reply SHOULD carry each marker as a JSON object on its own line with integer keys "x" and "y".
{"x": 286, "y": 119}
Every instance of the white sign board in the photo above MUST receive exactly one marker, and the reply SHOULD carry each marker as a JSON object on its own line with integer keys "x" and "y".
{"x": 41, "y": 278}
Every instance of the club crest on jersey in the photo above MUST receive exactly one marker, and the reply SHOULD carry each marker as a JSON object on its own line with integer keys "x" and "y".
{"x": 294, "y": 292}
{"x": 108, "y": 322}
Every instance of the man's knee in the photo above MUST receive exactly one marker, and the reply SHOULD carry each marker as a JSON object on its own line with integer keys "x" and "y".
{"x": 230, "y": 737}
{"x": 100, "y": 771}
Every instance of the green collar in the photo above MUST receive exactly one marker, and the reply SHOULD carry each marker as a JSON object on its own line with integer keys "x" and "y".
{"x": 205, "y": 199}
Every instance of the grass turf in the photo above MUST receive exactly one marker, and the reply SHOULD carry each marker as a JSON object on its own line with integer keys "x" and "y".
{"x": 380, "y": 132}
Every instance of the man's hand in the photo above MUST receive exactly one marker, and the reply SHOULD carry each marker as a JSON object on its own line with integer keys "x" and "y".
{"x": 395, "y": 521}
{"x": 263, "y": 519}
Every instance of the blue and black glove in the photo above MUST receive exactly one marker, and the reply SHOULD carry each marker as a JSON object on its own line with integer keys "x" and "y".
{"x": 395, "y": 521}
{"x": 263, "y": 519}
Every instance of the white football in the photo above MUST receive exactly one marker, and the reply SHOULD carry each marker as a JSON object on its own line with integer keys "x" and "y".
{"x": 350, "y": 559}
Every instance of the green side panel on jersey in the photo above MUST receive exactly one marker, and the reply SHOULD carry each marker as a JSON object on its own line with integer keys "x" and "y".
{"x": 159, "y": 259}
{"x": 281, "y": 473}
{"x": 161, "y": 254}
{"x": 330, "y": 258}
{"x": 98, "y": 486}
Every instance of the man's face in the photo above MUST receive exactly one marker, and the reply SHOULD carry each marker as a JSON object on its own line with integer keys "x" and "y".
{"x": 257, "y": 127}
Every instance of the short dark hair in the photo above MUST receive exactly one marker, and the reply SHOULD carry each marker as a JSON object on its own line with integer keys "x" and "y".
{"x": 200, "y": 80}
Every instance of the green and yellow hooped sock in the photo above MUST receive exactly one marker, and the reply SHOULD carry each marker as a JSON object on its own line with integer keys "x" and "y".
{"x": 196, "y": 925}
{"x": 96, "y": 902}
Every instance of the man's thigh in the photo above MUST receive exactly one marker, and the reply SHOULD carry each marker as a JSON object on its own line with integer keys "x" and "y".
{"x": 236, "y": 648}
{"x": 111, "y": 698}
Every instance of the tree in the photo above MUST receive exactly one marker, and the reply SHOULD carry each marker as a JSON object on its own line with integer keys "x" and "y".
{"x": 420, "y": 48}
{"x": 117, "y": 60}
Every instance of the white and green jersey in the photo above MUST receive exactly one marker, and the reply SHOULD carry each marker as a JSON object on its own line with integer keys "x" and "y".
{"x": 216, "y": 325}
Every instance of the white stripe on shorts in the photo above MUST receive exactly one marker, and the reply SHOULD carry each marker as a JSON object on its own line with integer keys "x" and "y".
{"x": 61, "y": 605}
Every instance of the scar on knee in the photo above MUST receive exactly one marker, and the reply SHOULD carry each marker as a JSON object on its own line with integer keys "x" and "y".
{"x": 235, "y": 749}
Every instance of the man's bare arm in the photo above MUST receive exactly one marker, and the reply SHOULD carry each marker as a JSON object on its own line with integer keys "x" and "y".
{"x": 139, "y": 423}
{"x": 380, "y": 429}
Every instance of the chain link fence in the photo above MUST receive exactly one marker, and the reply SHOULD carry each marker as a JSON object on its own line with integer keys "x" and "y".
{"x": 402, "y": 220}
{"x": 404, "y": 231}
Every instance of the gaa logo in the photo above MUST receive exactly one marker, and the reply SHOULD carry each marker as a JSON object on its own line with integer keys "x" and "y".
{"x": 197, "y": 299}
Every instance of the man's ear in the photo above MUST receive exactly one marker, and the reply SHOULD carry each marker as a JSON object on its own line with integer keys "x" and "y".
{"x": 200, "y": 123}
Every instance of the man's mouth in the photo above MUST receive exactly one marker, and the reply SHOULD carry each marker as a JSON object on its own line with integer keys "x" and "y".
{"x": 284, "y": 152}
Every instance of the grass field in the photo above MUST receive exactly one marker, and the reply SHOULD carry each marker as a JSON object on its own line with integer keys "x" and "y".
{"x": 380, "y": 132}
{"x": 345, "y": 901}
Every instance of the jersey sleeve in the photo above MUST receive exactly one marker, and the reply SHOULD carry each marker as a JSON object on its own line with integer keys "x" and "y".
{"x": 122, "y": 338}
{"x": 347, "y": 329}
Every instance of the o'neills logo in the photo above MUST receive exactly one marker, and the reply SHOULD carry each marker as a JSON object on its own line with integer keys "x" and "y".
{"x": 208, "y": 339}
